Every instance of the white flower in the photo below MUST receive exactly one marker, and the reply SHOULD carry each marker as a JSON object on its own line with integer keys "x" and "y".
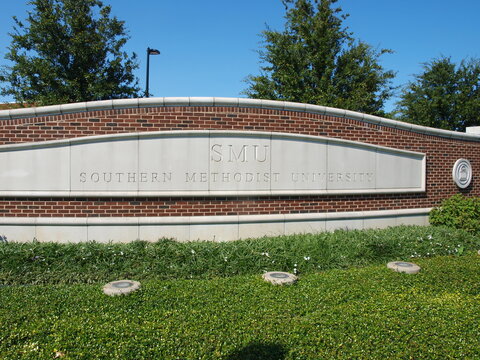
{"x": 225, "y": 259}
{"x": 306, "y": 258}
{"x": 430, "y": 237}
{"x": 192, "y": 251}
{"x": 265, "y": 254}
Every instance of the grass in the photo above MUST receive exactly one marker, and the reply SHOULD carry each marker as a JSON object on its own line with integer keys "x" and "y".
{"x": 53, "y": 263}
{"x": 205, "y": 300}
{"x": 358, "y": 313}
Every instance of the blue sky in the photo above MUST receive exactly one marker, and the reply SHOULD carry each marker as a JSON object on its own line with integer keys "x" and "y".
{"x": 209, "y": 47}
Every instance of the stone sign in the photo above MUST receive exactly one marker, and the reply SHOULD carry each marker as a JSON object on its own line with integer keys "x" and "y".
{"x": 206, "y": 163}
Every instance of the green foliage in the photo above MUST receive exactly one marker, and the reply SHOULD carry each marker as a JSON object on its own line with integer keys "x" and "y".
{"x": 53, "y": 263}
{"x": 359, "y": 313}
{"x": 316, "y": 60}
{"x": 444, "y": 96}
{"x": 458, "y": 212}
{"x": 68, "y": 51}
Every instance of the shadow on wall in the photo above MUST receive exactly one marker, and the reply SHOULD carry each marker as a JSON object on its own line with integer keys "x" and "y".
{"x": 259, "y": 351}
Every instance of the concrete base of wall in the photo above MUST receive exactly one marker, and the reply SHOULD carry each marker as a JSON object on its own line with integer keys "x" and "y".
{"x": 213, "y": 228}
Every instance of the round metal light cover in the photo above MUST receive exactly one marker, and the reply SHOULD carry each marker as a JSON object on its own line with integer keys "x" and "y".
{"x": 279, "y": 278}
{"x": 121, "y": 287}
{"x": 404, "y": 267}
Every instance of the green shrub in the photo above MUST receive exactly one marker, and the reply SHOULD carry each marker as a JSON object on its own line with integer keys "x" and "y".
{"x": 90, "y": 262}
{"x": 458, "y": 212}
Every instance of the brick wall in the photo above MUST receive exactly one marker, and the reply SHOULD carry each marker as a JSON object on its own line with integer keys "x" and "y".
{"x": 441, "y": 153}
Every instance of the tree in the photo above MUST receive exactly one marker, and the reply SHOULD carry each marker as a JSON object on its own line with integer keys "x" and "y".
{"x": 68, "y": 51}
{"x": 316, "y": 60}
{"x": 444, "y": 96}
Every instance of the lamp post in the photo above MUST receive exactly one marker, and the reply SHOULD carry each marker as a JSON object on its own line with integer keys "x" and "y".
{"x": 149, "y": 52}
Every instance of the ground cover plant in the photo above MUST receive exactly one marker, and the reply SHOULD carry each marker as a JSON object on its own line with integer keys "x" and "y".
{"x": 458, "y": 211}
{"x": 357, "y": 313}
{"x": 53, "y": 263}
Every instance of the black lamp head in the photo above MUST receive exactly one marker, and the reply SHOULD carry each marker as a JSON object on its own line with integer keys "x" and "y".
{"x": 153, "y": 51}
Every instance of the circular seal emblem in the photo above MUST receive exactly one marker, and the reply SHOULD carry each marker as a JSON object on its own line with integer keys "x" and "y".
{"x": 462, "y": 173}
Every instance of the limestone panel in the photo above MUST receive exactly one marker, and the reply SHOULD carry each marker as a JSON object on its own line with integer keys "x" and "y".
{"x": 18, "y": 233}
{"x": 304, "y": 227}
{"x": 379, "y": 222}
{"x": 254, "y": 230}
{"x": 350, "y": 167}
{"x": 214, "y": 232}
{"x": 239, "y": 163}
{"x": 399, "y": 171}
{"x": 344, "y": 224}
{"x": 61, "y": 233}
{"x": 105, "y": 166}
{"x": 35, "y": 169}
{"x": 298, "y": 164}
{"x": 180, "y": 232}
{"x": 115, "y": 233}
{"x": 420, "y": 220}
{"x": 173, "y": 163}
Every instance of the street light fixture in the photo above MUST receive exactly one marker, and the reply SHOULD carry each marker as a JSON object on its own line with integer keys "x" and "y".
{"x": 149, "y": 52}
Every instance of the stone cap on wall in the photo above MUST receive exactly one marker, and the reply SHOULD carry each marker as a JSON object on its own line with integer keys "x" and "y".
{"x": 228, "y": 102}
{"x": 473, "y": 130}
